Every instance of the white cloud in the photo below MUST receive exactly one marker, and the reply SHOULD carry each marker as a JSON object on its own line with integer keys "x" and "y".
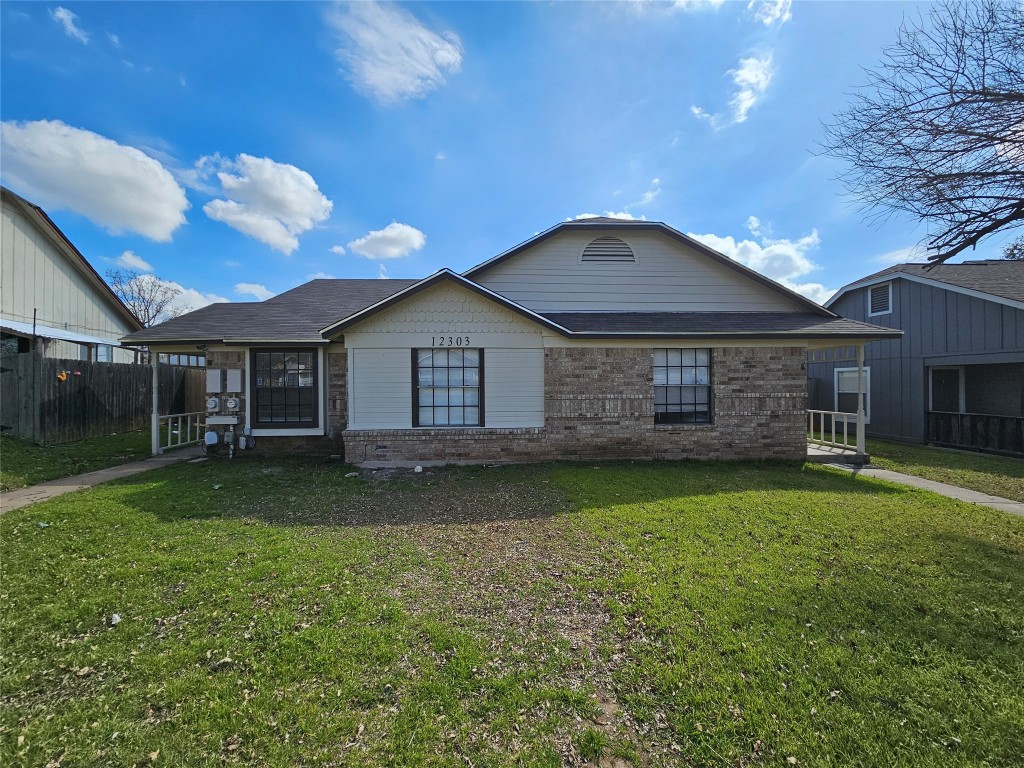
{"x": 272, "y": 202}
{"x": 648, "y": 196}
{"x": 129, "y": 260}
{"x": 695, "y": 5}
{"x": 770, "y": 12}
{"x": 389, "y": 54}
{"x": 914, "y": 254}
{"x": 189, "y": 299}
{"x": 232, "y": 264}
{"x": 625, "y": 215}
{"x": 114, "y": 39}
{"x": 382, "y": 273}
{"x": 751, "y": 77}
{"x": 320, "y": 276}
{"x": 261, "y": 292}
{"x": 782, "y": 260}
{"x": 118, "y": 187}
{"x": 393, "y": 242}
{"x": 66, "y": 19}
{"x": 338, "y": 249}
{"x": 440, "y": 156}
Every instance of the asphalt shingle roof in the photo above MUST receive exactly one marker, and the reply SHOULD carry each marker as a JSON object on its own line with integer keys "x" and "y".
{"x": 295, "y": 315}
{"x": 745, "y": 324}
{"x": 998, "y": 277}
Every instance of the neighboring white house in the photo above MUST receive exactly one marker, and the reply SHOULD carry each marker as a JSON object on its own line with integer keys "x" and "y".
{"x": 48, "y": 290}
{"x": 597, "y": 338}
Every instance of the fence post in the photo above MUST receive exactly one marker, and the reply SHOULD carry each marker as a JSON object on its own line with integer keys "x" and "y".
{"x": 154, "y": 420}
{"x": 860, "y": 399}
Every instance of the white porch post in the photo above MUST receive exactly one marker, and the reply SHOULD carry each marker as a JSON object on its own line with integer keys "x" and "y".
{"x": 154, "y": 424}
{"x": 860, "y": 398}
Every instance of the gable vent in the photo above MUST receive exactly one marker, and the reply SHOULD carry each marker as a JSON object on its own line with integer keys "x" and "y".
{"x": 608, "y": 249}
{"x": 880, "y": 299}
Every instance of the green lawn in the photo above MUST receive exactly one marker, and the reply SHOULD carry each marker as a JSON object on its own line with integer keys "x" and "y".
{"x": 276, "y": 613}
{"x": 23, "y": 463}
{"x": 997, "y": 475}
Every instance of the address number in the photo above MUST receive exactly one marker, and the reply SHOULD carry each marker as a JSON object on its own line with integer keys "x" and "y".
{"x": 449, "y": 341}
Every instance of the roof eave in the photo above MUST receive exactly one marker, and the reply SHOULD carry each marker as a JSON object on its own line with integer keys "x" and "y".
{"x": 444, "y": 274}
{"x": 78, "y": 261}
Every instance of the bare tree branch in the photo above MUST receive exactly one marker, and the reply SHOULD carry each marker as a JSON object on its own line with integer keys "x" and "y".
{"x": 938, "y": 129}
{"x": 150, "y": 299}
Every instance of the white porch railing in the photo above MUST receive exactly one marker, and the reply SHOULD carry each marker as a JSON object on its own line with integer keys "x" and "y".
{"x": 831, "y": 428}
{"x": 180, "y": 429}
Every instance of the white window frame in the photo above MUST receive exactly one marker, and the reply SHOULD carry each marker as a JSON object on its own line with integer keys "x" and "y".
{"x": 888, "y": 306}
{"x": 963, "y": 386}
{"x": 867, "y": 390}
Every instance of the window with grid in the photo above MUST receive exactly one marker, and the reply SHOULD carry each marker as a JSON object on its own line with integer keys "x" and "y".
{"x": 284, "y": 388}
{"x": 449, "y": 387}
{"x": 682, "y": 386}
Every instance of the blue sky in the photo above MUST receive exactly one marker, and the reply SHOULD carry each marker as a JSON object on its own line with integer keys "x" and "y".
{"x": 238, "y": 149}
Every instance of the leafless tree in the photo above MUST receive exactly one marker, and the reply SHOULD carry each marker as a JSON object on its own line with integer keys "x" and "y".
{"x": 151, "y": 299}
{"x": 1014, "y": 251}
{"x": 938, "y": 130}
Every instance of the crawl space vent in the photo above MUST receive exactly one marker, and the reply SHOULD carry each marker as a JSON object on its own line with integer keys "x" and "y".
{"x": 608, "y": 249}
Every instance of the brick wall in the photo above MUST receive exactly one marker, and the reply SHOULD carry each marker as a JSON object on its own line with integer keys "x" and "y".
{"x": 599, "y": 404}
{"x": 337, "y": 409}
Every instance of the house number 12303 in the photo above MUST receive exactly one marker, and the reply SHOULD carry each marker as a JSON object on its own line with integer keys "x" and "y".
{"x": 449, "y": 341}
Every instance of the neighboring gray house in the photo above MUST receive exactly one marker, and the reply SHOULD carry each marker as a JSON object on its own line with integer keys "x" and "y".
{"x": 48, "y": 289}
{"x": 956, "y": 377}
{"x": 597, "y": 338}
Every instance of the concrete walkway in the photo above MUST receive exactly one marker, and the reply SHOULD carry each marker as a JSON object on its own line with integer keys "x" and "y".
{"x": 952, "y": 491}
{"x": 24, "y": 496}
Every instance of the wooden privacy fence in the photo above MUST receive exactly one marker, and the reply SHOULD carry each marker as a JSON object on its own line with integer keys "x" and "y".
{"x": 56, "y": 401}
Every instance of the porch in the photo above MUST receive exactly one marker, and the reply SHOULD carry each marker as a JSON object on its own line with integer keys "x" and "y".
{"x": 835, "y": 437}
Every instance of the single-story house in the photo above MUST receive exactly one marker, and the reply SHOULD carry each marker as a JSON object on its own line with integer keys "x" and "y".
{"x": 51, "y": 295}
{"x": 956, "y": 375}
{"x": 597, "y": 338}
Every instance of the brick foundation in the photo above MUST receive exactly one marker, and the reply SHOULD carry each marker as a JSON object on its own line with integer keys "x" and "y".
{"x": 599, "y": 404}
{"x": 337, "y": 409}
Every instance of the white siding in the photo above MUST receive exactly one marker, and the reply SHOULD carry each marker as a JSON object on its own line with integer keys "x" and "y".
{"x": 667, "y": 276}
{"x": 34, "y": 274}
{"x": 380, "y": 389}
{"x": 380, "y": 358}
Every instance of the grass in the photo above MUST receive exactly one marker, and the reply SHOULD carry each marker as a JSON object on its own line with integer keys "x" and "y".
{"x": 996, "y": 475}
{"x": 24, "y": 463}
{"x": 654, "y": 614}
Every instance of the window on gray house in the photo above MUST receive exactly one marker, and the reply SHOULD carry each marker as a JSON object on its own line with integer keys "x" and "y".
{"x": 104, "y": 353}
{"x": 682, "y": 386}
{"x": 284, "y": 388}
{"x": 448, "y": 387}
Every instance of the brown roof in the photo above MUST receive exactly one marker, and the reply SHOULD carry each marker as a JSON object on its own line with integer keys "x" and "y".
{"x": 730, "y": 324}
{"x": 295, "y": 315}
{"x": 998, "y": 277}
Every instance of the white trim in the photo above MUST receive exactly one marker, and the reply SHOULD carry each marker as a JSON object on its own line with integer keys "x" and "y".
{"x": 962, "y": 381}
{"x": 888, "y": 302}
{"x": 924, "y": 281}
{"x": 459, "y": 280}
{"x": 321, "y": 361}
{"x": 867, "y": 389}
{"x": 48, "y": 332}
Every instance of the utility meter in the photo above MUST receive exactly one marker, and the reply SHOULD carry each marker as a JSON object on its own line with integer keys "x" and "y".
{"x": 212, "y": 403}
{"x": 232, "y": 403}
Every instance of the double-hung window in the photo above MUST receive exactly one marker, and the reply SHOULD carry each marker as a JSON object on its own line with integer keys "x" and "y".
{"x": 682, "y": 386}
{"x": 448, "y": 387}
{"x": 284, "y": 388}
